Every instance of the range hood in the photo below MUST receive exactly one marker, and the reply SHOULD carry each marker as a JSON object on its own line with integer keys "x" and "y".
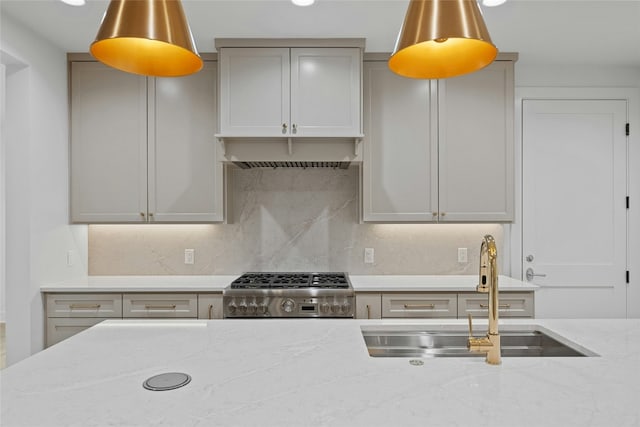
{"x": 298, "y": 152}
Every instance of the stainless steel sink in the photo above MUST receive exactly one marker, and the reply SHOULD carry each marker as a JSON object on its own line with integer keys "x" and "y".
{"x": 451, "y": 341}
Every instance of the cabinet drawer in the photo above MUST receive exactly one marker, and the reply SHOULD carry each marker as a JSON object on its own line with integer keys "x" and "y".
{"x": 60, "y": 328}
{"x": 368, "y": 306}
{"x": 84, "y": 305}
{"x": 512, "y": 304}
{"x": 419, "y": 305}
{"x": 209, "y": 306}
{"x": 160, "y": 305}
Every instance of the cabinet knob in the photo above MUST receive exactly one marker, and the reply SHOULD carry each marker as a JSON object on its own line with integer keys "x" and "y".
{"x": 284, "y": 128}
{"x": 142, "y": 215}
{"x": 443, "y": 213}
{"x": 295, "y": 129}
{"x": 150, "y": 214}
{"x": 434, "y": 213}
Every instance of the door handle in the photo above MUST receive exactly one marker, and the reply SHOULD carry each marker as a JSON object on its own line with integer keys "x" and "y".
{"x": 530, "y": 274}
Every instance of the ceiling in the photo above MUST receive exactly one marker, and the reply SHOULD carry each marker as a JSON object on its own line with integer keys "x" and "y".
{"x": 542, "y": 31}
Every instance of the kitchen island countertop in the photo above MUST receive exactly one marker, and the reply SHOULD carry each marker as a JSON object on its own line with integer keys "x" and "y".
{"x": 361, "y": 283}
{"x": 316, "y": 372}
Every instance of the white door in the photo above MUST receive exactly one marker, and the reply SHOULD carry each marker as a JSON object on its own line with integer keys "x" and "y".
{"x": 574, "y": 206}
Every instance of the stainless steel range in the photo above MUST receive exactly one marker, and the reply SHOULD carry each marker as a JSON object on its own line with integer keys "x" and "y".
{"x": 289, "y": 295}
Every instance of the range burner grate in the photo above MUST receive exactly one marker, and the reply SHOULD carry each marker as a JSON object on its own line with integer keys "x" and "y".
{"x": 290, "y": 281}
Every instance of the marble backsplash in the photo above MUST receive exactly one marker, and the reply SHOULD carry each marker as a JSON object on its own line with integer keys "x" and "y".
{"x": 287, "y": 220}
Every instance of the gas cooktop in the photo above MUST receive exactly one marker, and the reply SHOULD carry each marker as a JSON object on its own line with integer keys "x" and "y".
{"x": 292, "y": 294}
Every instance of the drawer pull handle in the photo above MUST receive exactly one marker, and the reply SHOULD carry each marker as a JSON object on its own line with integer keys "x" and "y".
{"x": 84, "y": 306}
{"x": 368, "y": 311}
{"x": 499, "y": 306}
{"x": 419, "y": 306}
{"x": 160, "y": 307}
{"x": 210, "y": 311}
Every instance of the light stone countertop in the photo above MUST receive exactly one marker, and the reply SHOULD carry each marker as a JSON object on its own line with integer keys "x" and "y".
{"x": 317, "y": 372}
{"x": 361, "y": 283}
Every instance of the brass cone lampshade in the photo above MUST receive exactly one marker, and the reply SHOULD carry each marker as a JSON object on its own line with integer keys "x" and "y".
{"x": 148, "y": 37}
{"x": 442, "y": 38}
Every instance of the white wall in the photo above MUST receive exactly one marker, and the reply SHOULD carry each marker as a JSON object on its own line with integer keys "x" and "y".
{"x": 2, "y": 195}
{"x": 36, "y": 177}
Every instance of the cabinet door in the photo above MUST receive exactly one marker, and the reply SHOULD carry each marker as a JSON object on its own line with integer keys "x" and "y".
{"x": 368, "y": 306}
{"x": 325, "y": 91}
{"x": 185, "y": 176}
{"x": 108, "y": 144}
{"x": 254, "y": 91}
{"x": 476, "y": 163}
{"x": 160, "y": 305}
{"x": 430, "y": 304}
{"x": 61, "y": 328}
{"x": 400, "y": 147}
{"x": 209, "y": 306}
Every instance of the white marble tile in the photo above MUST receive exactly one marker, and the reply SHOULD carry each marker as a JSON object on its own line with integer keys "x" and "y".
{"x": 311, "y": 372}
{"x": 288, "y": 219}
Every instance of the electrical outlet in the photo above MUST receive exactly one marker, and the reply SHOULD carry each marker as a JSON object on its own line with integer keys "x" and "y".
{"x": 189, "y": 256}
{"x": 369, "y": 256}
{"x": 462, "y": 255}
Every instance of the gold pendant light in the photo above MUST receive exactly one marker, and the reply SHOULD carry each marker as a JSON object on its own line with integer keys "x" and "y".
{"x": 442, "y": 38}
{"x": 148, "y": 37}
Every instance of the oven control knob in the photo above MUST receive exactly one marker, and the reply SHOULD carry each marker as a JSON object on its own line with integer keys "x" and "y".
{"x": 263, "y": 309}
{"x": 288, "y": 305}
{"x": 242, "y": 307}
{"x": 335, "y": 308}
{"x": 325, "y": 307}
{"x": 253, "y": 308}
{"x": 346, "y": 306}
{"x": 232, "y": 307}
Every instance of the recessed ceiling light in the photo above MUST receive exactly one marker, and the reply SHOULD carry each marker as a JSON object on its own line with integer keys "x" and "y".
{"x": 74, "y": 2}
{"x": 492, "y": 3}
{"x": 302, "y": 2}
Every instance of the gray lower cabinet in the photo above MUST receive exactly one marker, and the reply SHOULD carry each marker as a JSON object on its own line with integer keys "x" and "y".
{"x": 69, "y": 313}
{"x": 368, "y": 306}
{"x": 210, "y": 306}
{"x": 376, "y": 305}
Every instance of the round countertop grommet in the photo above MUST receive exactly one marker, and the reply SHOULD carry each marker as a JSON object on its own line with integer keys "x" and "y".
{"x": 167, "y": 381}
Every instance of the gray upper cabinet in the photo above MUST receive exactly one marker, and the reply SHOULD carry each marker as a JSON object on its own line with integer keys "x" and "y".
{"x": 438, "y": 151}
{"x": 143, "y": 149}
{"x": 400, "y": 181}
{"x": 475, "y": 145}
{"x": 290, "y": 92}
